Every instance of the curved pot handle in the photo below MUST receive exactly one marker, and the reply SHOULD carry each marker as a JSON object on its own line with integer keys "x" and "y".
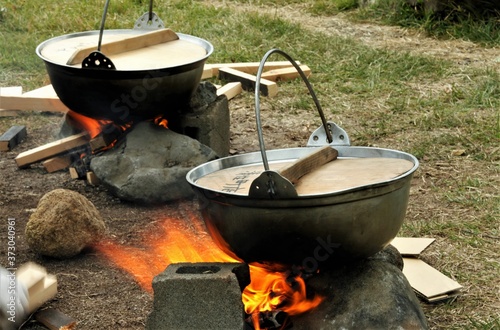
{"x": 257, "y": 101}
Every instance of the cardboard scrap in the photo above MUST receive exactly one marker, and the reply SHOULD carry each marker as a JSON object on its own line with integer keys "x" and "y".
{"x": 429, "y": 283}
{"x": 411, "y": 246}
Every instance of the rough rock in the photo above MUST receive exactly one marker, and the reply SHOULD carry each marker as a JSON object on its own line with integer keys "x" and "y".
{"x": 369, "y": 294}
{"x": 150, "y": 165}
{"x": 63, "y": 224}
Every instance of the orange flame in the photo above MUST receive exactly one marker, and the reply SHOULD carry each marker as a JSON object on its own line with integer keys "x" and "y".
{"x": 160, "y": 121}
{"x": 92, "y": 126}
{"x": 185, "y": 239}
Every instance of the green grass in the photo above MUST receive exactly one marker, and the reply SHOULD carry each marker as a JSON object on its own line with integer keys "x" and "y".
{"x": 423, "y": 105}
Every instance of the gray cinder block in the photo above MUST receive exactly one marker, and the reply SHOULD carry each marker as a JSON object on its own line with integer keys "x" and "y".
{"x": 199, "y": 296}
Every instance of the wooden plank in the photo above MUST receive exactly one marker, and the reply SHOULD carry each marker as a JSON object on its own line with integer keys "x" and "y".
{"x": 207, "y": 72}
{"x": 48, "y": 291}
{"x": 338, "y": 175}
{"x": 42, "y": 92}
{"x": 57, "y": 163}
{"x": 286, "y": 73}
{"x": 40, "y": 285}
{"x": 32, "y": 276}
{"x": 126, "y": 45}
{"x": 41, "y": 99}
{"x": 230, "y": 90}
{"x": 11, "y": 91}
{"x": 12, "y": 137}
{"x": 248, "y": 67}
{"x": 248, "y": 81}
{"x": 54, "y": 319}
{"x": 428, "y": 282}
{"x": 51, "y": 149}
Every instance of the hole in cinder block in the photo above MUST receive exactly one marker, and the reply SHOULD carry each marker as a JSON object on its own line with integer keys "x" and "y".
{"x": 198, "y": 270}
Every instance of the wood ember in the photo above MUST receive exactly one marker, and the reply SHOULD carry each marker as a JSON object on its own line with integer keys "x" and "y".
{"x": 109, "y": 134}
{"x": 55, "y": 319}
{"x": 11, "y": 138}
{"x": 270, "y": 321}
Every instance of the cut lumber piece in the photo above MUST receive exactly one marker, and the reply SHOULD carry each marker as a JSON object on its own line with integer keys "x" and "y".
{"x": 51, "y": 149}
{"x": 93, "y": 179}
{"x": 248, "y": 67}
{"x": 9, "y": 113}
{"x": 230, "y": 90}
{"x": 32, "y": 276}
{"x": 11, "y": 138}
{"x": 48, "y": 291}
{"x": 45, "y": 91}
{"x": 126, "y": 45}
{"x": 41, "y": 286}
{"x": 207, "y": 72}
{"x": 54, "y": 319}
{"x": 41, "y": 99}
{"x": 57, "y": 163}
{"x": 248, "y": 81}
{"x": 109, "y": 134}
{"x": 11, "y": 91}
{"x": 285, "y": 73}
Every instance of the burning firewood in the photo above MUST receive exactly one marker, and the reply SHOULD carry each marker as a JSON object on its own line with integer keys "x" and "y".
{"x": 268, "y": 321}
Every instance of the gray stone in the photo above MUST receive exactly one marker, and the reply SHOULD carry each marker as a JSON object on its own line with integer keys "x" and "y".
{"x": 150, "y": 165}
{"x": 199, "y": 296}
{"x": 369, "y": 294}
{"x": 63, "y": 224}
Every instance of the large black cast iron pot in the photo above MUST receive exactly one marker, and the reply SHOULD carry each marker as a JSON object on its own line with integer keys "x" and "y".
{"x": 125, "y": 93}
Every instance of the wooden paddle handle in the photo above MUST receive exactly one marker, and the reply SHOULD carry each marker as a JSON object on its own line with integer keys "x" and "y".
{"x": 125, "y": 45}
{"x": 306, "y": 164}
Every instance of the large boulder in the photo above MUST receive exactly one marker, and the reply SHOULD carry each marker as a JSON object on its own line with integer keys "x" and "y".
{"x": 63, "y": 224}
{"x": 150, "y": 165}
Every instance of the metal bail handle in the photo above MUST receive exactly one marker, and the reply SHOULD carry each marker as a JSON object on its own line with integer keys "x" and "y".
{"x": 272, "y": 184}
{"x": 257, "y": 101}
{"x": 97, "y": 60}
{"x": 149, "y": 20}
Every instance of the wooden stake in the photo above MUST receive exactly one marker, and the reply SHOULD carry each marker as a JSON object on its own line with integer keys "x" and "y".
{"x": 248, "y": 81}
{"x": 51, "y": 149}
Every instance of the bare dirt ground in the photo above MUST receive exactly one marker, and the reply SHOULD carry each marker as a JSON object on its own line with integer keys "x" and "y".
{"x": 91, "y": 289}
